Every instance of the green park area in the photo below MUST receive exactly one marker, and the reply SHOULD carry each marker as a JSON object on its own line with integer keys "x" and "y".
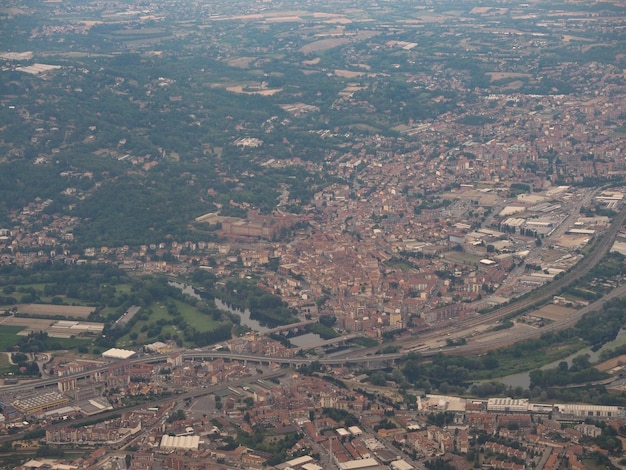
{"x": 173, "y": 319}
{"x": 9, "y": 337}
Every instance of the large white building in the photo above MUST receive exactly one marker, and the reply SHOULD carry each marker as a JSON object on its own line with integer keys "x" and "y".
{"x": 591, "y": 411}
{"x": 507, "y": 405}
{"x": 179, "y": 442}
{"x": 115, "y": 353}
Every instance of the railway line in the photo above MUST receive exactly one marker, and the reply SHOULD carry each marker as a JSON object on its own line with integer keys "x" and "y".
{"x": 536, "y": 298}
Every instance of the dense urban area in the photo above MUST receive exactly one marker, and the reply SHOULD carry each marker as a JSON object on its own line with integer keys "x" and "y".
{"x": 309, "y": 236}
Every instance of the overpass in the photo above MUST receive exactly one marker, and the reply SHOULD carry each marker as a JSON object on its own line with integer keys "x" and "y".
{"x": 369, "y": 361}
{"x": 288, "y": 327}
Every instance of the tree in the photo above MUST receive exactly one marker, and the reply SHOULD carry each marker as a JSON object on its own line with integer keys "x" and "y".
{"x": 378, "y": 378}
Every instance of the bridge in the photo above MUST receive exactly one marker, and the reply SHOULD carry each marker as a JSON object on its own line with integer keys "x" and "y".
{"x": 289, "y": 327}
{"x": 369, "y": 361}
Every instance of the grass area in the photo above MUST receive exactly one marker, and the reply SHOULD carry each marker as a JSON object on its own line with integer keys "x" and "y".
{"x": 619, "y": 341}
{"x": 66, "y": 300}
{"x": 198, "y": 320}
{"x": 509, "y": 364}
{"x": 461, "y": 257}
{"x": 72, "y": 343}
{"x": 364, "y": 342}
{"x": 8, "y": 336}
{"x": 11, "y": 460}
{"x": 106, "y": 311}
{"x": 5, "y": 365}
{"x": 192, "y": 316}
{"x": 4, "y": 360}
{"x": 399, "y": 264}
{"x": 122, "y": 288}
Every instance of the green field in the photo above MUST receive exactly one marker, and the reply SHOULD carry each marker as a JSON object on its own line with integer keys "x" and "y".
{"x": 5, "y": 365}
{"x": 461, "y": 257}
{"x": 196, "y": 319}
{"x": 616, "y": 343}
{"x": 509, "y": 365}
{"x": 8, "y": 336}
{"x": 193, "y": 317}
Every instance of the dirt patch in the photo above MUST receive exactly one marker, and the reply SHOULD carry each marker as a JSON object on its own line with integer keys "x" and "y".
{"x": 553, "y": 312}
{"x": 492, "y": 336}
{"x": 312, "y": 61}
{"x": 573, "y": 241}
{"x": 264, "y": 92}
{"x": 65, "y": 311}
{"x": 494, "y": 76}
{"x": 348, "y": 73}
{"x": 240, "y": 62}
{"x": 613, "y": 362}
{"x": 323, "y": 45}
{"x": 34, "y": 324}
{"x": 516, "y": 85}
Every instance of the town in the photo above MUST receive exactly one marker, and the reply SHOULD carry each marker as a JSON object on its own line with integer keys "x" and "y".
{"x": 282, "y": 234}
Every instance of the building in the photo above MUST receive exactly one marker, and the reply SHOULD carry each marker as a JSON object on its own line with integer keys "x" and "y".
{"x": 120, "y": 354}
{"x": 40, "y": 402}
{"x": 590, "y": 411}
{"x": 507, "y": 405}
{"x": 179, "y": 442}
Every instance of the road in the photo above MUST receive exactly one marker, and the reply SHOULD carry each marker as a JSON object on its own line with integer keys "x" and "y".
{"x": 191, "y": 394}
{"x": 539, "y": 296}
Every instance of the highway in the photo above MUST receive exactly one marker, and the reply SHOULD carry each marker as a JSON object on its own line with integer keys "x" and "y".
{"x": 201, "y": 354}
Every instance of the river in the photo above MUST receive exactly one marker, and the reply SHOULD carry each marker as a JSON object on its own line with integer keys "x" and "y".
{"x": 243, "y": 314}
{"x": 302, "y": 341}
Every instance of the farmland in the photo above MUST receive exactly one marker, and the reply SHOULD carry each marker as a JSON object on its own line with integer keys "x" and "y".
{"x": 8, "y": 336}
{"x": 64, "y": 311}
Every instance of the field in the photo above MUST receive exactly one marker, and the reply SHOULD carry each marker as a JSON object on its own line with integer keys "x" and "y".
{"x": 260, "y": 91}
{"x": 553, "y": 312}
{"x": 197, "y": 320}
{"x": 323, "y": 44}
{"x": 349, "y": 73}
{"x": 35, "y": 324}
{"x": 573, "y": 241}
{"x": 509, "y": 364}
{"x": 241, "y": 62}
{"x": 494, "y": 76}
{"x": 24, "y": 325}
{"x": 464, "y": 258}
{"x": 67, "y": 311}
{"x": 613, "y": 362}
{"x": 8, "y": 336}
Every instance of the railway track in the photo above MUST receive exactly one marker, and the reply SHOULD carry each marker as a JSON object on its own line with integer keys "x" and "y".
{"x": 544, "y": 293}
{"x": 536, "y": 298}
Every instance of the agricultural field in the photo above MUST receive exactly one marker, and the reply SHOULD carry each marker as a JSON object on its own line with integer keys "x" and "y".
{"x": 65, "y": 311}
{"x": 494, "y": 76}
{"x": 9, "y": 336}
{"x": 55, "y": 328}
{"x": 23, "y": 323}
